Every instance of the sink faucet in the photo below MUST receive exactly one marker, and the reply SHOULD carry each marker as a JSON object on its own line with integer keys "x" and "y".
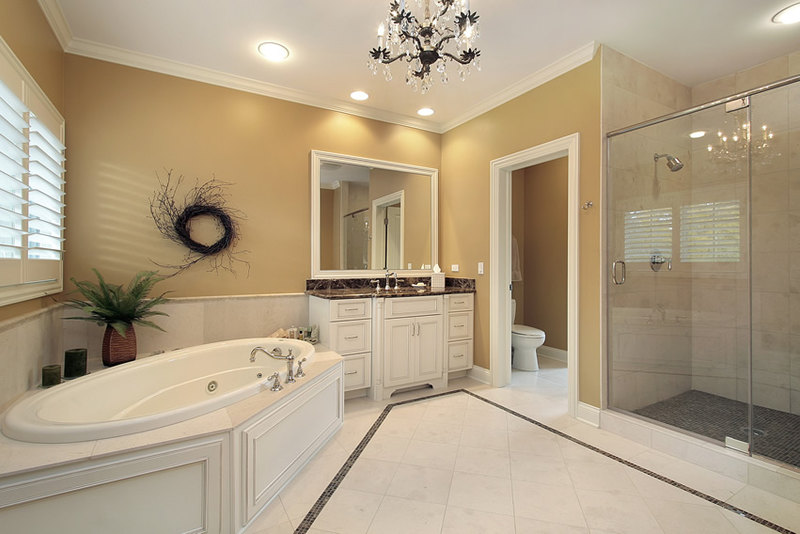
{"x": 389, "y": 275}
{"x": 278, "y": 355}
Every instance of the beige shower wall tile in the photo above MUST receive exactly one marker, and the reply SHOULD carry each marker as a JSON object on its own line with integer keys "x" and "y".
{"x": 714, "y": 90}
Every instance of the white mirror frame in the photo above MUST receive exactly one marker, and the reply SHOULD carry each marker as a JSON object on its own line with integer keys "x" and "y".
{"x": 319, "y": 157}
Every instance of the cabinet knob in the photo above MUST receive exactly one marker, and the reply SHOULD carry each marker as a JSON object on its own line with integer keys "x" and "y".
{"x": 352, "y": 373}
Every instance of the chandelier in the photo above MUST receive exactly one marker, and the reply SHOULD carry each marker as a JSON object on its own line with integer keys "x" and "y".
{"x": 731, "y": 146}
{"x": 446, "y": 34}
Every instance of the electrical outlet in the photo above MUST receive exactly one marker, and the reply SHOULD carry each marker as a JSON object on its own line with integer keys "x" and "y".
{"x": 454, "y": 268}
{"x": 480, "y": 267}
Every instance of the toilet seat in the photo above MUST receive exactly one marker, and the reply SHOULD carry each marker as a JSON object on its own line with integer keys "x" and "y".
{"x": 527, "y": 331}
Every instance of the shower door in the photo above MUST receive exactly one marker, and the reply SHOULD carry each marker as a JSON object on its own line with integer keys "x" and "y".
{"x": 678, "y": 289}
{"x": 775, "y": 245}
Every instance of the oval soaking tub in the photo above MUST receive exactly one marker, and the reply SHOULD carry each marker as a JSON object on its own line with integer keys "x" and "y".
{"x": 150, "y": 393}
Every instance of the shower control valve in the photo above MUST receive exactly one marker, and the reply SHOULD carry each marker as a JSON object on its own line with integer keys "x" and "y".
{"x": 657, "y": 260}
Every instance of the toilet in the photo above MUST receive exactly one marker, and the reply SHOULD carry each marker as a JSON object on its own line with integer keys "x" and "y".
{"x": 524, "y": 342}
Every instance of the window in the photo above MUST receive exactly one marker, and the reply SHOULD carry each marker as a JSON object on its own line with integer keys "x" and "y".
{"x": 648, "y": 233}
{"x": 31, "y": 186}
{"x": 710, "y": 232}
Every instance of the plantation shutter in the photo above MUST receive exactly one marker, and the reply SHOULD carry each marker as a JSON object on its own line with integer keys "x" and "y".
{"x": 710, "y": 232}
{"x": 13, "y": 189}
{"x": 31, "y": 186}
{"x": 648, "y": 233}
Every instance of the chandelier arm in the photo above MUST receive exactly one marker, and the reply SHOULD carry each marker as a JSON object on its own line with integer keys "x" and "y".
{"x": 443, "y": 40}
{"x": 392, "y": 60}
{"x": 454, "y": 58}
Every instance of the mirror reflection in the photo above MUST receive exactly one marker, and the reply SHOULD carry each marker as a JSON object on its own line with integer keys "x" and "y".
{"x": 373, "y": 218}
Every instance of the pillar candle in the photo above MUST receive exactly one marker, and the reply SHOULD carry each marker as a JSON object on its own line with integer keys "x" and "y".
{"x": 51, "y": 375}
{"x": 74, "y": 363}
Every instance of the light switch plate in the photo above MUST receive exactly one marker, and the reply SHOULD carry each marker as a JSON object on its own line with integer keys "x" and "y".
{"x": 480, "y": 267}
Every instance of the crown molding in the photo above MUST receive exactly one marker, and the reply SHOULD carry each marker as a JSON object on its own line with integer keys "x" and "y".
{"x": 55, "y": 17}
{"x": 572, "y": 60}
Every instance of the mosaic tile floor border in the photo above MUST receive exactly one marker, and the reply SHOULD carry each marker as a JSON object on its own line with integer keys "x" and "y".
{"x": 323, "y": 499}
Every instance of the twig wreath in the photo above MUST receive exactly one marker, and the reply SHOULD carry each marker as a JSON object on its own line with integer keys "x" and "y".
{"x": 173, "y": 218}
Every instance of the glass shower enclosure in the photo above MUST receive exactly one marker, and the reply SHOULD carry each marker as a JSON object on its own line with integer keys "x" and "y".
{"x": 703, "y": 246}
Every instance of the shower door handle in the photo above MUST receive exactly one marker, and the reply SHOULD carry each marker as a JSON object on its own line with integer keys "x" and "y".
{"x": 621, "y": 280}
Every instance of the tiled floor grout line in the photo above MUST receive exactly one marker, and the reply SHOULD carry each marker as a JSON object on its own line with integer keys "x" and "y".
{"x": 323, "y": 499}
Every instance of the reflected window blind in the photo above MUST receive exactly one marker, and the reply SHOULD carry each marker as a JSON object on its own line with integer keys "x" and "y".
{"x": 710, "y": 232}
{"x": 13, "y": 189}
{"x": 647, "y": 233}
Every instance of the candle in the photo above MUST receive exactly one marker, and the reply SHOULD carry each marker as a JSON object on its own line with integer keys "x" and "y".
{"x": 51, "y": 375}
{"x": 381, "y": 31}
{"x": 74, "y": 363}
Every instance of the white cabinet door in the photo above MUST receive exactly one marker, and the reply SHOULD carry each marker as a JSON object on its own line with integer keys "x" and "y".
{"x": 428, "y": 345}
{"x": 398, "y": 351}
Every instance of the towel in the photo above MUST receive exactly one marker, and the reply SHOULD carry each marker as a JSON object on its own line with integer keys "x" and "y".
{"x": 516, "y": 262}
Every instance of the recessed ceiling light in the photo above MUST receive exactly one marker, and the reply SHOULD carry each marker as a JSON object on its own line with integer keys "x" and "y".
{"x": 698, "y": 134}
{"x": 425, "y": 112}
{"x": 359, "y": 95}
{"x": 273, "y": 51}
{"x": 788, "y": 15}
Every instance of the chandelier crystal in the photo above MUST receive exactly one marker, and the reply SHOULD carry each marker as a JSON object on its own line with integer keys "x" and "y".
{"x": 447, "y": 32}
{"x": 731, "y": 146}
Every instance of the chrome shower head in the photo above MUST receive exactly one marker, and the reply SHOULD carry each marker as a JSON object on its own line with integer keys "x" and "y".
{"x": 673, "y": 163}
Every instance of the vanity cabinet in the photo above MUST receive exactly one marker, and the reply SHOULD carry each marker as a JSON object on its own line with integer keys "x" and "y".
{"x": 345, "y": 326}
{"x": 459, "y": 309}
{"x": 411, "y": 330}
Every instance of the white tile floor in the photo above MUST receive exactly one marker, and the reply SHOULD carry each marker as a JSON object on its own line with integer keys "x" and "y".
{"x": 458, "y": 465}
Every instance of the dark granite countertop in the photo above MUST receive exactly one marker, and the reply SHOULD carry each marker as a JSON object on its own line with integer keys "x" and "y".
{"x": 356, "y": 288}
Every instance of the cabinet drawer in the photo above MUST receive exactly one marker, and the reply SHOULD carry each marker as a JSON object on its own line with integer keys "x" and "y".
{"x": 349, "y": 337}
{"x": 357, "y": 371}
{"x": 411, "y": 306}
{"x": 350, "y": 309}
{"x": 459, "y": 325}
{"x": 460, "y": 302}
{"x": 459, "y": 355}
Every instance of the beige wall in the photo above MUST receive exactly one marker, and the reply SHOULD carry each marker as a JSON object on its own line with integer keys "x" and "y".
{"x": 125, "y": 125}
{"x": 545, "y": 256}
{"x": 25, "y": 29}
{"x": 563, "y": 106}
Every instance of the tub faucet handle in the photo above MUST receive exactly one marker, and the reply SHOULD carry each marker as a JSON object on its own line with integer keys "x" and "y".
{"x": 300, "y": 373}
{"x": 276, "y": 385}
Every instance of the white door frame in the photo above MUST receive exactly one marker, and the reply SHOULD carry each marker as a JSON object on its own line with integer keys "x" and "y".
{"x": 500, "y": 257}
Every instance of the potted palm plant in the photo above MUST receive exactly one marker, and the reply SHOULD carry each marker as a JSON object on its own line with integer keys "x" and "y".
{"x": 118, "y": 308}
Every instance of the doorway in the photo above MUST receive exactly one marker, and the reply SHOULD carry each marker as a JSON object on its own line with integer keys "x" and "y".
{"x": 501, "y": 250}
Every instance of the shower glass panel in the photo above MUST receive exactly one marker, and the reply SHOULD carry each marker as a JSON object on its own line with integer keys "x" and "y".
{"x": 775, "y": 245}
{"x": 703, "y": 296}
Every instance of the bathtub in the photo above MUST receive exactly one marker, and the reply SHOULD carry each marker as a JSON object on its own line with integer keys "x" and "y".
{"x": 150, "y": 393}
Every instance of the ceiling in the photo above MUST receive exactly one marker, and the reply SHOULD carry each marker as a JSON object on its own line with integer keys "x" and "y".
{"x": 523, "y": 43}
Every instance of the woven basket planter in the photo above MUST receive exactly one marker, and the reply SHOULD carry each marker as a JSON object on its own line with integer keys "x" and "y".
{"x": 118, "y": 349}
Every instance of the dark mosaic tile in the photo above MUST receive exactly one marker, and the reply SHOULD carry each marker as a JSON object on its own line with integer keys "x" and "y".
{"x": 776, "y": 433}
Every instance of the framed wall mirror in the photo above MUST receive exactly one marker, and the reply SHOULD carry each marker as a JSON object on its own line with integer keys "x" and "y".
{"x": 369, "y": 216}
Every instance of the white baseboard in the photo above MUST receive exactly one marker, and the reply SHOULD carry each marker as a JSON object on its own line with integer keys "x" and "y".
{"x": 550, "y": 352}
{"x": 588, "y": 414}
{"x": 481, "y": 374}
